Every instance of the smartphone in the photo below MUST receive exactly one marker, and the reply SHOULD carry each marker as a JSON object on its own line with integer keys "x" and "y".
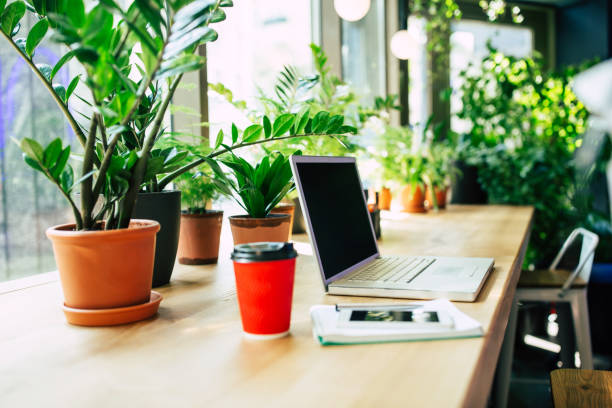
{"x": 378, "y": 318}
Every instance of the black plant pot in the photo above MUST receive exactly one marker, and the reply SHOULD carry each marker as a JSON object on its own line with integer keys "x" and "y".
{"x": 466, "y": 189}
{"x": 299, "y": 225}
{"x": 165, "y": 208}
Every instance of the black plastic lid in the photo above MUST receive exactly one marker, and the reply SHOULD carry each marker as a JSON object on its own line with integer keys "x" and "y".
{"x": 263, "y": 251}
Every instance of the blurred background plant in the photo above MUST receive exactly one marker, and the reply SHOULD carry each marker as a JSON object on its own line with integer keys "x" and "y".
{"x": 526, "y": 125}
{"x": 198, "y": 192}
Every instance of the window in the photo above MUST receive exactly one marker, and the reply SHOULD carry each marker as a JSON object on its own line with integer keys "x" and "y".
{"x": 469, "y": 40}
{"x": 28, "y": 203}
{"x": 254, "y": 44}
{"x": 363, "y": 53}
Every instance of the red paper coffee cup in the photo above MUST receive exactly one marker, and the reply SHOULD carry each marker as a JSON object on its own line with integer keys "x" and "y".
{"x": 265, "y": 273}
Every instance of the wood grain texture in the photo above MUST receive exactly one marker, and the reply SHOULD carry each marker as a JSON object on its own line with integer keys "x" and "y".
{"x": 193, "y": 352}
{"x": 574, "y": 388}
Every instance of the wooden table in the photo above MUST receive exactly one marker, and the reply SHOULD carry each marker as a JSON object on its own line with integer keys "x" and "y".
{"x": 193, "y": 353}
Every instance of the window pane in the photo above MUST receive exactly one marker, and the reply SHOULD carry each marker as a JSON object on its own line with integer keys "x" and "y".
{"x": 469, "y": 45}
{"x": 28, "y": 202}
{"x": 363, "y": 53}
{"x": 255, "y": 42}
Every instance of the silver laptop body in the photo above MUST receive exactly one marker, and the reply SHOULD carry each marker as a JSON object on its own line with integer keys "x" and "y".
{"x": 343, "y": 240}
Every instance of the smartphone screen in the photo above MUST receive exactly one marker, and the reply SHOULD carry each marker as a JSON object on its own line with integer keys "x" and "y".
{"x": 394, "y": 316}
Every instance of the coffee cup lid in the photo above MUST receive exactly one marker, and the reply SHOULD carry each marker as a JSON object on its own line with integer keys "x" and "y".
{"x": 263, "y": 251}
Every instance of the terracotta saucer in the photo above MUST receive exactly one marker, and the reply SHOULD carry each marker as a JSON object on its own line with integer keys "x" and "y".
{"x": 115, "y": 316}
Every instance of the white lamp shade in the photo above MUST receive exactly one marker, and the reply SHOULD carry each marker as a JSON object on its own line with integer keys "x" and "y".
{"x": 404, "y": 45}
{"x": 352, "y": 10}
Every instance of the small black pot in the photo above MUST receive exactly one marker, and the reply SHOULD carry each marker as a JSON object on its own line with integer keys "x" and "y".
{"x": 165, "y": 208}
{"x": 299, "y": 224}
{"x": 466, "y": 189}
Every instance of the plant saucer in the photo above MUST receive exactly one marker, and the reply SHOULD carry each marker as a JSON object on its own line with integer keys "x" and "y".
{"x": 114, "y": 316}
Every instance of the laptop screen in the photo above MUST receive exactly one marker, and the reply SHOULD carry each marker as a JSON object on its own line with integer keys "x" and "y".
{"x": 335, "y": 205}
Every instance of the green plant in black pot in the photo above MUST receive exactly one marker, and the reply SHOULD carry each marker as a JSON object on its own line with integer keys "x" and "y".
{"x": 257, "y": 189}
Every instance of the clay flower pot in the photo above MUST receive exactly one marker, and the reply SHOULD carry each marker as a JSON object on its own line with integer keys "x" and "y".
{"x": 105, "y": 269}
{"x": 440, "y": 197}
{"x": 384, "y": 200}
{"x": 273, "y": 228}
{"x": 199, "y": 238}
{"x": 413, "y": 201}
{"x": 285, "y": 209}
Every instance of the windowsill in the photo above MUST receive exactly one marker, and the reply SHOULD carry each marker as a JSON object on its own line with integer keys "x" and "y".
{"x": 28, "y": 282}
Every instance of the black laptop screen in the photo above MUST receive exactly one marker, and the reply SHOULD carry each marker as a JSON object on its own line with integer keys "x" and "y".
{"x": 338, "y": 215}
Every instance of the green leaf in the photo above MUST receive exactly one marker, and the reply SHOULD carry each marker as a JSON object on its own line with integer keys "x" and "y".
{"x": 347, "y": 129}
{"x": 335, "y": 123}
{"x": 319, "y": 122}
{"x": 252, "y": 133}
{"x": 32, "y": 163}
{"x": 76, "y": 12}
{"x": 21, "y": 44}
{"x": 66, "y": 179}
{"x": 45, "y": 70}
{"x": 219, "y": 139}
{"x": 64, "y": 59}
{"x": 300, "y": 120}
{"x": 72, "y": 86}
{"x": 36, "y": 35}
{"x": 282, "y": 124}
{"x": 267, "y": 126}
{"x": 180, "y": 65}
{"x": 152, "y": 13}
{"x": 52, "y": 152}
{"x": 234, "y": 134}
{"x": 10, "y": 17}
{"x": 60, "y": 164}
{"x": 2, "y": 5}
{"x": 60, "y": 91}
{"x": 181, "y": 43}
{"x": 226, "y": 3}
{"x": 32, "y": 149}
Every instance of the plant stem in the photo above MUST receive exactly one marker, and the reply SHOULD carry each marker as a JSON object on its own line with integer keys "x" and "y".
{"x": 64, "y": 107}
{"x": 88, "y": 199}
{"x": 126, "y": 204}
{"x": 168, "y": 179}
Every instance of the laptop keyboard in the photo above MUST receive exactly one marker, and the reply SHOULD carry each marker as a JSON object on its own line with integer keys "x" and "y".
{"x": 393, "y": 269}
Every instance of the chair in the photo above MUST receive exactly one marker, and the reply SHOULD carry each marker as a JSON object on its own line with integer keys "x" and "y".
{"x": 581, "y": 388}
{"x": 555, "y": 285}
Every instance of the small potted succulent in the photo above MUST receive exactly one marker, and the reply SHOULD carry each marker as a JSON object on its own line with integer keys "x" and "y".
{"x": 440, "y": 171}
{"x": 413, "y": 194}
{"x": 257, "y": 189}
{"x": 200, "y": 230}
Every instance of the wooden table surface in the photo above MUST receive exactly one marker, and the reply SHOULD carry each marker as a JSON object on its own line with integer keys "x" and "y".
{"x": 193, "y": 352}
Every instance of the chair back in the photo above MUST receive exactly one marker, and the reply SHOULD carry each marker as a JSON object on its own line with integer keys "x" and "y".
{"x": 587, "y": 253}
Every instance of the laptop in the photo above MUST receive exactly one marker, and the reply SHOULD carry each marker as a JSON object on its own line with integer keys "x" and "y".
{"x": 343, "y": 240}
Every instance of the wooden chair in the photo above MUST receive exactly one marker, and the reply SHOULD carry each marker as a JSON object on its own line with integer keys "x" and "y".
{"x": 554, "y": 285}
{"x": 581, "y": 388}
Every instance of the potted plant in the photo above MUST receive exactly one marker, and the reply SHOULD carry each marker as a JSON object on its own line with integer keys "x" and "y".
{"x": 119, "y": 133}
{"x": 440, "y": 171}
{"x": 413, "y": 194}
{"x": 200, "y": 230}
{"x": 257, "y": 189}
{"x": 105, "y": 259}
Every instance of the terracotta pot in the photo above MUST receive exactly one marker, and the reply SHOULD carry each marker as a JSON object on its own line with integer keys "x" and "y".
{"x": 273, "y": 228}
{"x": 285, "y": 209}
{"x": 105, "y": 269}
{"x": 440, "y": 197}
{"x": 384, "y": 200}
{"x": 413, "y": 201}
{"x": 199, "y": 238}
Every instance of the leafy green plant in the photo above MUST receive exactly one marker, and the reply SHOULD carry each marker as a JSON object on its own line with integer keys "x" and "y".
{"x": 197, "y": 191}
{"x": 256, "y": 189}
{"x": 121, "y": 134}
{"x": 525, "y": 126}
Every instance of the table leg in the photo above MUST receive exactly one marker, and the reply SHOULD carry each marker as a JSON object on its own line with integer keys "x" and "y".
{"x": 501, "y": 387}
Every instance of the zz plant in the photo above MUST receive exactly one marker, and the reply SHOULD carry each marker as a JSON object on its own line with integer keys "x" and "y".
{"x": 154, "y": 41}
